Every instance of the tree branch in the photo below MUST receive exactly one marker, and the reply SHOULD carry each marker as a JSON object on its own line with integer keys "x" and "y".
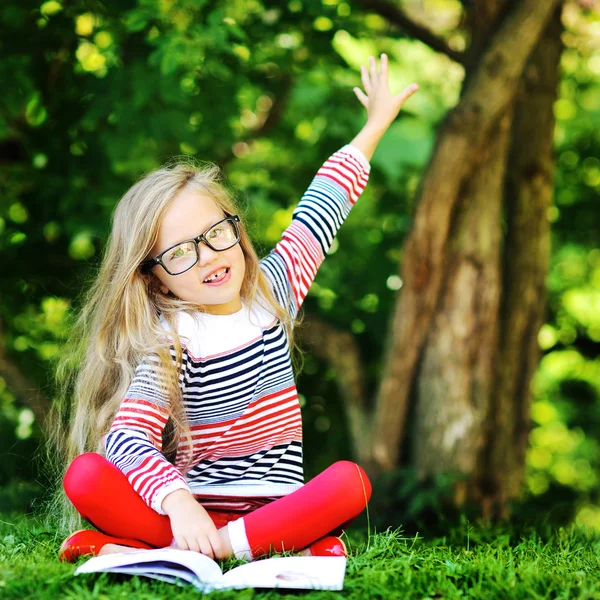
{"x": 399, "y": 18}
{"x": 341, "y": 351}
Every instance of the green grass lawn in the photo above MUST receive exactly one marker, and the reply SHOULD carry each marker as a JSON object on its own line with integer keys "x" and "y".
{"x": 470, "y": 562}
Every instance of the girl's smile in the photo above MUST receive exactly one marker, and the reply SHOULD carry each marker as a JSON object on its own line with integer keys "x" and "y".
{"x": 218, "y": 276}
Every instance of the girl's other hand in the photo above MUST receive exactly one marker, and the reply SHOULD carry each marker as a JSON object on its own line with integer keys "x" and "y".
{"x": 382, "y": 107}
{"x": 192, "y": 527}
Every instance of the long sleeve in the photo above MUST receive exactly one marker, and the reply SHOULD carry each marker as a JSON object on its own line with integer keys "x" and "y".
{"x": 292, "y": 265}
{"x": 134, "y": 442}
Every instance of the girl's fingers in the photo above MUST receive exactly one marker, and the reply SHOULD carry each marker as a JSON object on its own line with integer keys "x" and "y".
{"x": 406, "y": 93}
{"x": 365, "y": 79}
{"x": 215, "y": 542}
{"x": 383, "y": 73}
{"x": 181, "y": 543}
{"x": 373, "y": 70}
{"x": 206, "y": 548}
{"x": 192, "y": 544}
{"x": 361, "y": 97}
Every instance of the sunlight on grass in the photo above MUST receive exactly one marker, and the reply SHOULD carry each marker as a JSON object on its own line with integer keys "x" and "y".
{"x": 473, "y": 561}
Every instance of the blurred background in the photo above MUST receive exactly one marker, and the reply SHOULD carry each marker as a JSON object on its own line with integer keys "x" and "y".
{"x": 451, "y": 337}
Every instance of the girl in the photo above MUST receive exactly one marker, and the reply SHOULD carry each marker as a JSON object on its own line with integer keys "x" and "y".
{"x": 187, "y": 388}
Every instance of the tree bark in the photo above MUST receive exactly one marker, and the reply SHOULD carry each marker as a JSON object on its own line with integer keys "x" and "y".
{"x": 528, "y": 195}
{"x": 462, "y": 139}
{"x": 455, "y": 377}
{"x": 456, "y": 373}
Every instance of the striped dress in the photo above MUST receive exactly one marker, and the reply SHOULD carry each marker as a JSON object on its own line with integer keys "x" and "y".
{"x": 237, "y": 381}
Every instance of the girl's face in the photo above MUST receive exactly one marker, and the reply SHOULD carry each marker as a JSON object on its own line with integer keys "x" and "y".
{"x": 190, "y": 214}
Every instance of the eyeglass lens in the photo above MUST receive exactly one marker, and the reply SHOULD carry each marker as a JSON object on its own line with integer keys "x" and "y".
{"x": 182, "y": 257}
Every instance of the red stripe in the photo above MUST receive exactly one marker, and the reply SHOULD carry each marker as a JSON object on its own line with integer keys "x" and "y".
{"x": 282, "y": 426}
{"x": 305, "y": 236}
{"x": 147, "y": 406}
{"x": 313, "y": 258}
{"x": 155, "y": 480}
{"x": 139, "y": 422}
{"x": 356, "y": 165}
{"x": 250, "y": 447}
{"x": 151, "y": 487}
{"x": 260, "y": 430}
{"x": 135, "y": 473}
{"x": 161, "y": 482}
{"x": 297, "y": 273}
{"x": 353, "y": 179}
{"x": 243, "y": 424}
{"x": 231, "y": 441}
{"x": 290, "y": 263}
{"x": 347, "y": 184}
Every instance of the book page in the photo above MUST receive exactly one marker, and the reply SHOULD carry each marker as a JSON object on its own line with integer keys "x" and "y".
{"x": 293, "y": 572}
{"x": 158, "y": 570}
{"x": 175, "y": 579}
{"x": 206, "y": 569}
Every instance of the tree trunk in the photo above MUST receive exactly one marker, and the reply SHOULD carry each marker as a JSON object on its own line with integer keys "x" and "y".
{"x": 455, "y": 377}
{"x": 463, "y": 139}
{"x": 466, "y": 306}
{"x": 528, "y": 195}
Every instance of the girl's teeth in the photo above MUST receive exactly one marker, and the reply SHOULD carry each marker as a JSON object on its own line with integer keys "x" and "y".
{"x": 217, "y": 275}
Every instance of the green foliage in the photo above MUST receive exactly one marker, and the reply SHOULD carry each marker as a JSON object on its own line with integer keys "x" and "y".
{"x": 95, "y": 94}
{"x": 101, "y": 93}
{"x": 564, "y": 456}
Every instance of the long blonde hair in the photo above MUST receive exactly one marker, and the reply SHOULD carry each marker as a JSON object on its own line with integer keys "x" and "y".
{"x": 119, "y": 324}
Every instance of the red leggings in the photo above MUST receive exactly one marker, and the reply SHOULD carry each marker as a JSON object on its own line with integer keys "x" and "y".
{"x": 327, "y": 504}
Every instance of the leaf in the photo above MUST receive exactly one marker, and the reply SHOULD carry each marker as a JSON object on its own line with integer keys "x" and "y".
{"x": 135, "y": 20}
{"x": 236, "y": 32}
{"x": 169, "y": 62}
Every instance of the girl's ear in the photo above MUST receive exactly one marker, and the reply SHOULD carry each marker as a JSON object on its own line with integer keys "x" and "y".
{"x": 154, "y": 284}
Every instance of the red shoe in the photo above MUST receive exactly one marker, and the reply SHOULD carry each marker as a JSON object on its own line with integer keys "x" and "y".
{"x": 87, "y": 542}
{"x": 328, "y": 546}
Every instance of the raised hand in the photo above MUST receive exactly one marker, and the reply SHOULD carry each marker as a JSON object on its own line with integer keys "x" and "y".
{"x": 382, "y": 107}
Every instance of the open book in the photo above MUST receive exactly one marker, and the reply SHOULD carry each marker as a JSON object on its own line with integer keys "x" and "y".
{"x": 184, "y": 566}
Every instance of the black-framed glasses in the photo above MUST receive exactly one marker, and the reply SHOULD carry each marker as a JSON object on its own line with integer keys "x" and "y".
{"x": 183, "y": 256}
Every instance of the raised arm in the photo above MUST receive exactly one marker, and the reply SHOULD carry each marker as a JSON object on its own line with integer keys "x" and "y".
{"x": 293, "y": 263}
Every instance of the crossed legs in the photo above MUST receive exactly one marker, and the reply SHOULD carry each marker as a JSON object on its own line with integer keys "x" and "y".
{"x": 328, "y": 503}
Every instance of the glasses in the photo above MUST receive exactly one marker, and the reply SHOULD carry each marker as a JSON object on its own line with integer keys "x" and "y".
{"x": 183, "y": 256}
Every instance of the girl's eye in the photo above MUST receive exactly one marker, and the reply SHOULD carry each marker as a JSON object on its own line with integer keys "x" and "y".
{"x": 181, "y": 252}
{"x": 215, "y": 233}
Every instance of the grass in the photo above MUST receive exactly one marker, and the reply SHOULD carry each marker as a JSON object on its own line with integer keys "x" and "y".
{"x": 469, "y": 562}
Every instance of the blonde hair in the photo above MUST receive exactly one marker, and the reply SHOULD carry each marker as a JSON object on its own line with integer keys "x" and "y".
{"x": 119, "y": 326}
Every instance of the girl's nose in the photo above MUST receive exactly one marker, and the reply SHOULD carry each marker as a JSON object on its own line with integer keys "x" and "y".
{"x": 206, "y": 255}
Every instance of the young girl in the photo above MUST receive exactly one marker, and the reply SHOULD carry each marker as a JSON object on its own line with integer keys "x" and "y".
{"x": 186, "y": 385}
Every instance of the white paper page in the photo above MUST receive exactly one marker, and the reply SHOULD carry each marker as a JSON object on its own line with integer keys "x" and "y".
{"x": 205, "y": 568}
{"x": 293, "y": 572}
{"x": 154, "y": 569}
{"x": 159, "y": 576}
